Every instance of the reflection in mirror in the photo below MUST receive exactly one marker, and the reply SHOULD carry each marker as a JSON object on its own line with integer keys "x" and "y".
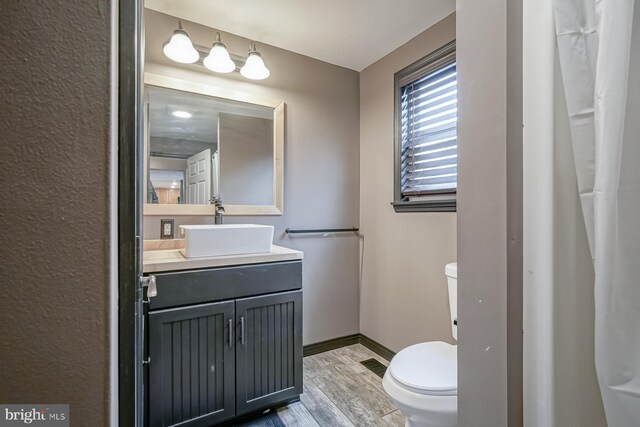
{"x": 202, "y": 147}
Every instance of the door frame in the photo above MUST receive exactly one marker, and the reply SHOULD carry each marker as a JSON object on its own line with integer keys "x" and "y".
{"x": 129, "y": 211}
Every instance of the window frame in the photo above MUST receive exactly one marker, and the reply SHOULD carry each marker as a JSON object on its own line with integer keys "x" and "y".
{"x": 431, "y": 62}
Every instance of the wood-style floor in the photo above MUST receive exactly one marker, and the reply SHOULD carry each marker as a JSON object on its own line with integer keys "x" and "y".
{"x": 339, "y": 391}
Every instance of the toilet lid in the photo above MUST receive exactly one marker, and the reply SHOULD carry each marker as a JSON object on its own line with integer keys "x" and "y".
{"x": 427, "y": 368}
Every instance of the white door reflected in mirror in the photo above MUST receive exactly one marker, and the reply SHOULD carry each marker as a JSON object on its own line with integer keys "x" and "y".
{"x": 199, "y": 170}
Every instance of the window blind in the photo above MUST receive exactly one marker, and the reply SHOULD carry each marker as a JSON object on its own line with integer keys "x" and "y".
{"x": 428, "y": 119}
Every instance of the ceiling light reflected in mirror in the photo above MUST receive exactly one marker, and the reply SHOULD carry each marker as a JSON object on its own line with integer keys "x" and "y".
{"x": 182, "y": 114}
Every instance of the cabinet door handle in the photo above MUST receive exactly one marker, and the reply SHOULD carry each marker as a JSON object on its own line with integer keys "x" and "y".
{"x": 242, "y": 330}
{"x": 230, "y": 333}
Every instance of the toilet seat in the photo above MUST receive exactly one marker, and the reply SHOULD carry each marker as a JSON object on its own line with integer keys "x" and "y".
{"x": 429, "y": 368}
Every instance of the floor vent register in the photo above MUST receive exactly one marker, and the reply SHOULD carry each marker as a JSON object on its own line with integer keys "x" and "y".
{"x": 374, "y": 366}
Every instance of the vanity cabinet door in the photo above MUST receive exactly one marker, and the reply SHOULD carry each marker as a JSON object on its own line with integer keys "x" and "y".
{"x": 269, "y": 350}
{"x": 191, "y": 371}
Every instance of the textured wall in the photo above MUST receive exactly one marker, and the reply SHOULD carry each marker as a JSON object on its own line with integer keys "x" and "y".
{"x": 54, "y": 130}
{"x": 404, "y": 296}
{"x": 321, "y": 171}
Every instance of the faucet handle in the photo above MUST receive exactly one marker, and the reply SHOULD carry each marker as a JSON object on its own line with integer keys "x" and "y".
{"x": 217, "y": 201}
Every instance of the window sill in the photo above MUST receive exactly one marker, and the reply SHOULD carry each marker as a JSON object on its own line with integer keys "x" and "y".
{"x": 424, "y": 206}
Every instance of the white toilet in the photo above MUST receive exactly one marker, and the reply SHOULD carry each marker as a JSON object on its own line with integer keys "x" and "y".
{"x": 422, "y": 380}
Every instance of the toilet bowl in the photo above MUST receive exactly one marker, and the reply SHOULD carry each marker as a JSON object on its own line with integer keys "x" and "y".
{"x": 422, "y": 380}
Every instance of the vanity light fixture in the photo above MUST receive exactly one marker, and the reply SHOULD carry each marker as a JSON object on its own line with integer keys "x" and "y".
{"x": 218, "y": 59}
{"x": 182, "y": 114}
{"x": 254, "y": 67}
{"x": 179, "y": 48}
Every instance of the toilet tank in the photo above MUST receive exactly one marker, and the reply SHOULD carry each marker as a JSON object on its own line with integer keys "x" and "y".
{"x": 451, "y": 271}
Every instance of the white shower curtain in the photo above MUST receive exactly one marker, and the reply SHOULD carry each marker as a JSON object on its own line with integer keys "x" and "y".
{"x": 599, "y": 45}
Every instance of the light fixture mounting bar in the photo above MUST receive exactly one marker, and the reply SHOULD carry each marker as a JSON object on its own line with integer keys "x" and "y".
{"x": 204, "y": 51}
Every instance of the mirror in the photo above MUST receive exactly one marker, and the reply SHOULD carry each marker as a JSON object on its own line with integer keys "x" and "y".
{"x": 202, "y": 144}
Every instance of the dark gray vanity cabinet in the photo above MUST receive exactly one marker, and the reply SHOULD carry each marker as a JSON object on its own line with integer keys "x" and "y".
{"x": 223, "y": 343}
{"x": 269, "y": 356}
{"x": 192, "y": 373}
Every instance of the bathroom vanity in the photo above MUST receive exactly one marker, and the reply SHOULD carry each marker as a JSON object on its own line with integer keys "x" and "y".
{"x": 224, "y": 335}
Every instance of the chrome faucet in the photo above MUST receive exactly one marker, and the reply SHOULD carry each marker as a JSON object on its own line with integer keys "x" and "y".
{"x": 219, "y": 210}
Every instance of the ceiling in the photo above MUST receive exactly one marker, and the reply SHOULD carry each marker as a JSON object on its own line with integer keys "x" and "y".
{"x": 350, "y": 33}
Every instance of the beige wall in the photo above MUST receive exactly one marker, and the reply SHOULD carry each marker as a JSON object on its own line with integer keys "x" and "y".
{"x": 54, "y": 152}
{"x": 321, "y": 169}
{"x": 404, "y": 290}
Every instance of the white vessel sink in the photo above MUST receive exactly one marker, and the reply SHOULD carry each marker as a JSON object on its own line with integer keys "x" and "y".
{"x": 226, "y": 239}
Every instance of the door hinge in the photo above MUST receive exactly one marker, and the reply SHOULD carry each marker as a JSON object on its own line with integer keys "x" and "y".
{"x": 149, "y": 282}
{"x": 147, "y": 361}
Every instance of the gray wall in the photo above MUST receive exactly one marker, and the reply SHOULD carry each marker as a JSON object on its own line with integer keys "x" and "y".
{"x": 246, "y": 159}
{"x": 321, "y": 171}
{"x": 54, "y": 157}
{"x": 489, "y": 43}
{"x": 404, "y": 296}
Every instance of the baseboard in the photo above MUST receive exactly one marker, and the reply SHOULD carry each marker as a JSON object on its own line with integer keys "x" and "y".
{"x": 376, "y": 347}
{"x": 332, "y": 344}
{"x": 328, "y": 345}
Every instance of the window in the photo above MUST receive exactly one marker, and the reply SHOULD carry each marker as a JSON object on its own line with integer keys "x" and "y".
{"x": 426, "y": 142}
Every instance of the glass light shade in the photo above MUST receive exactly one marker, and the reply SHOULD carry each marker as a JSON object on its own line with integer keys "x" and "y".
{"x": 180, "y": 48}
{"x": 219, "y": 60}
{"x": 254, "y": 68}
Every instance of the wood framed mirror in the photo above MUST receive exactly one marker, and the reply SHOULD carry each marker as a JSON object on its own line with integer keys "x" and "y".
{"x": 203, "y": 142}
